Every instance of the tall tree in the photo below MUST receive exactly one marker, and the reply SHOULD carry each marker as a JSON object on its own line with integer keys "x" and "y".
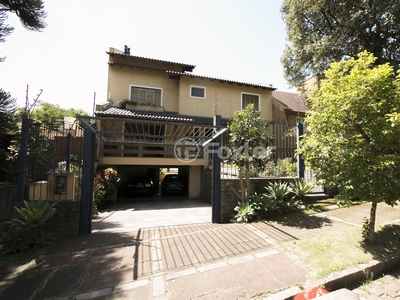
{"x": 8, "y": 126}
{"x": 323, "y": 31}
{"x": 30, "y": 12}
{"x": 48, "y": 113}
{"x": 247, "y": 134}
{"x": 8, "y": 107}
{"x": 354, "y": 141}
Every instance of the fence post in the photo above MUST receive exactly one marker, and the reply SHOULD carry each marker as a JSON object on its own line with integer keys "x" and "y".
{"x": 22, "y": 159}
{"x": 300, "y": 161}
{"x": 216, "y": 176}
{"x": 68, "y": 154}
{"x": 85, "y": 220}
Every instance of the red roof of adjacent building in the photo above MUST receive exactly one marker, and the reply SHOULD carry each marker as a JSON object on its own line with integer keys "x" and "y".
{"x": 292, "y": 101}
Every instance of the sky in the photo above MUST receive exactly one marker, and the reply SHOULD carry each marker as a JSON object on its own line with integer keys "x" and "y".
{"x": 240, "y": 40}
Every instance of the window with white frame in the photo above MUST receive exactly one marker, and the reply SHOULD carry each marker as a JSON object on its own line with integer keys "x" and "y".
{"x": 146, "y": 95}
{"x": 251, "y": 99}
{"x": 197, "y": 92}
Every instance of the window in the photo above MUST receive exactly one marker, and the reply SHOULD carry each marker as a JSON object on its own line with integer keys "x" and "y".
{"x": 197, "y": 92}
{"x": 251, "y": 99}
{"x": 145, "y": 95}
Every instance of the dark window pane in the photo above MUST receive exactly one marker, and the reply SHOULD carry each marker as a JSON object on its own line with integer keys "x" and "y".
{"x": 197, "y": 92}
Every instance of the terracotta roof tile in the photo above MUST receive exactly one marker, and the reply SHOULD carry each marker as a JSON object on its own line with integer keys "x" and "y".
{"x": 292, "y": 101}
{"x": 174, "y": 73}
{"x": 191, "y": 67}
{"x": 222, "y": 80}
{"x": 154, "y": 115}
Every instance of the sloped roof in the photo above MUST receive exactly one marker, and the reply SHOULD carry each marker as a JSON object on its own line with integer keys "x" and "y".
{"x": 154, "y": 115}
{"x": 186, "y": 67}
{"x": 222, "y": 80}
{"x": 191, "y": 75}
{"x": 292, "y": 101}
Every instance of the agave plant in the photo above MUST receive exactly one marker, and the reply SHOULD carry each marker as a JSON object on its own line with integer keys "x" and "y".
{"x": 33, "y": 216}
{"x": 278, "y": 192}
{"x": 300, "y": 188}
{"x": 27, "y": 227}
{"x": 245, "y": 211}
{"x": 261, "y": 202}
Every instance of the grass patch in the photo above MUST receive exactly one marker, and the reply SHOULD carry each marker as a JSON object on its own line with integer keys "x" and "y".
{"x": 331, "y": 252}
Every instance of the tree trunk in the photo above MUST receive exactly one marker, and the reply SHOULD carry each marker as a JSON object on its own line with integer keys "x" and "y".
{"x": 372, "y": 218}
{"x": 247, "y": 180}
{"x": 241, "y": 184}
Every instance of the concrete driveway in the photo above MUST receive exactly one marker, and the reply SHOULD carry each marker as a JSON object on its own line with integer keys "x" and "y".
{"x": 130, "y": 216}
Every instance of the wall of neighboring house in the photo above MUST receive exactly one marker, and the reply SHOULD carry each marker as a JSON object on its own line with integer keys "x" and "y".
{"x": 293, "y": 117}
{"x": 279, "y": 115}
{"x": 307, "y": 87}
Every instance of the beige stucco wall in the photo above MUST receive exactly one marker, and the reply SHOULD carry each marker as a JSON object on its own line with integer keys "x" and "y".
{"x": 228, "y": 98}
{"x": 194, "y": 182}
{"x": 308, "y": 87}
{"x": 176, "y": 92}
{"x": 120, "y": 80}
{"x": 150, "y": 161}
{"x": 279, "y": 116}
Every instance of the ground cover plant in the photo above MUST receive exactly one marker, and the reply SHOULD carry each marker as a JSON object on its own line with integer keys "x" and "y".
{"x": 330, "y": 251}
{"x": 26, "y": 229}
{"x": 281, "y": 197}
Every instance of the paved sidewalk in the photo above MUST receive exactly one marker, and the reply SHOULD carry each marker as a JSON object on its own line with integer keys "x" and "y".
{"x": 228, "y": 261}
{"x": 386, "y": 287}
{"x": 160, "y": 251}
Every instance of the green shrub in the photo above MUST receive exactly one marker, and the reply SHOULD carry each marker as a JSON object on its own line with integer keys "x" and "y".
{"x": 278, "y": 192}
{"x": 262, "y": 203}
{"x": 300, "y": 188}
{"x": 26, "y": 229}
{"x": 245, "y": 211}
{"x": 105, "y": 184}
{"x": 281, "y": 168}
{"x": 286, "y": 167}
{"x": 277, "y": 195}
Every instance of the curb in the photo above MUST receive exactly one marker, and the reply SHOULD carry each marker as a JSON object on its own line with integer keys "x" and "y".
{"x": 343, "y": 279}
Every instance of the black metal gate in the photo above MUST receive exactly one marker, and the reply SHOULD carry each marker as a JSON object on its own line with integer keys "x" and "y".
{"x": 50, "y": 161}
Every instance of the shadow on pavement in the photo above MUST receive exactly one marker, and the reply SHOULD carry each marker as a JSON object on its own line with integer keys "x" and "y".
{"x": 164, "y": 203}
{"x": 303, "y": 220}
{"x": 387, "y": 242}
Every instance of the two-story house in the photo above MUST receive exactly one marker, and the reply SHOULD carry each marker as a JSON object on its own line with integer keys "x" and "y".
{"x": 154, "y": 105}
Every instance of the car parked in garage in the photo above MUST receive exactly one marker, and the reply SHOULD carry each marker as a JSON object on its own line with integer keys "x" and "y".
{"x": 174, "y": 184}
{"x": 141, "y": 185}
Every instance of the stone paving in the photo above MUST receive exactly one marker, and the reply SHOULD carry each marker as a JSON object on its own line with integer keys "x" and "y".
{"x": 386, "y": 287}
{"x": 139, "y": 253}
{"x": 123, "y": 260}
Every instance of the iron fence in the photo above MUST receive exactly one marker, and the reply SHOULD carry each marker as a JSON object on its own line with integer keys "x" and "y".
{"x": 281, "y": 161}
{"x": 53, "y": 161}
